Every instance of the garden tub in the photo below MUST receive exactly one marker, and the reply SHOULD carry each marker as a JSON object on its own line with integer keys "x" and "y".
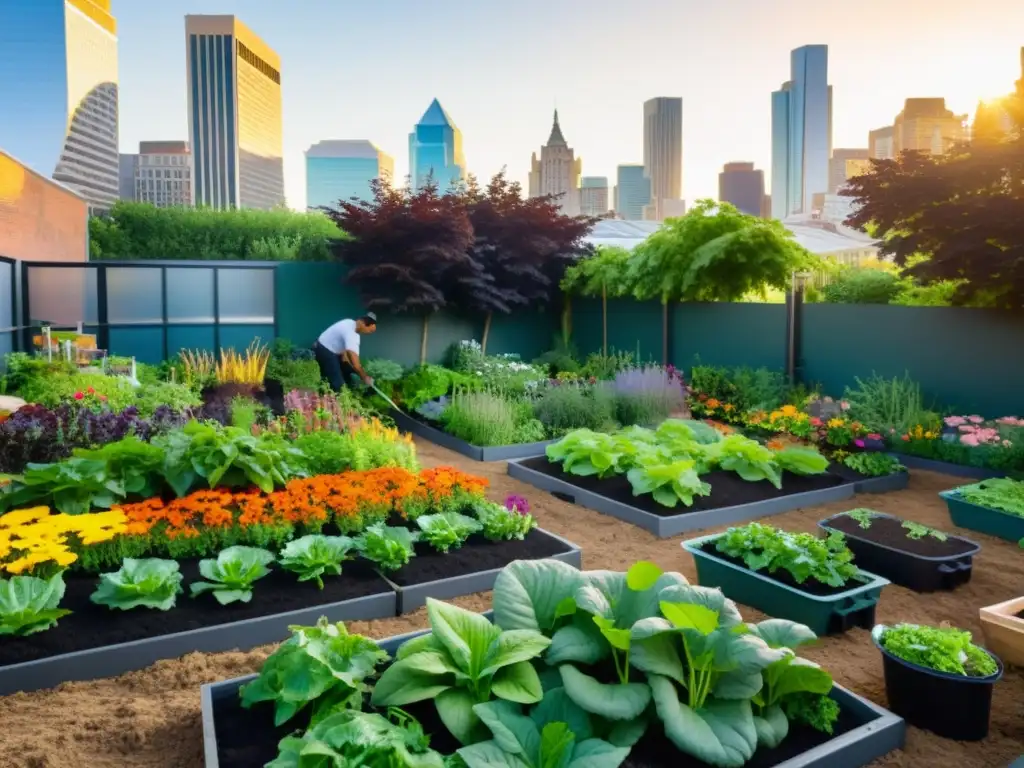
{"x": 237, "y": 738}
{"x": 1003, "y": 627}
{"x": 732, "y": 499}
{"x": 983, "y": 519}
{"x": 833, "y": 611}
{"x": 923, "y": 565}
{"x": 437, "y": 436}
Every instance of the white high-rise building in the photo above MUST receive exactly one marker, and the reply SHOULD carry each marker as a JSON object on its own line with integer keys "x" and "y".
{"x": 163, "y": 173}
{"x": 663, "y": 154}
{"x": 557, "y": 172}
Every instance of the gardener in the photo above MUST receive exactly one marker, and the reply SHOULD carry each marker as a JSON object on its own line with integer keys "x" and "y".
{"x": 337, "y": 351}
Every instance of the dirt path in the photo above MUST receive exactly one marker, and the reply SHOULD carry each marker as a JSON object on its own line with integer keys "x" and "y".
{"x": 151, "y": 719}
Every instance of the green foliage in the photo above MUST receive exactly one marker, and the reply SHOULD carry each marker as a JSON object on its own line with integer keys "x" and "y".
{"x": 1002, "y": 494}
{"x": 148, "y": 583}
{"x": 801, "y": 461}
{"x": 882, "y": 404}
{"x": 603, "y": 273}
{"x": 864, "y": 517}
{"x": 818, "y": 712}
{"x": 143, "y": 231}
{"x": 746, "y": 388}
{"x": 330, "y": 453}
{"x": 294, "y": 367}
{"x": 321, "y": 667}
{"x": 53, "y": 388}
{"x": 569, "y": 406}
{"x": 874, "y": 464}
{"x": 668, "y": 483}
{"x": 943, "y": 649}
{"x": 918, "y": 531}
{"x": 802, "y": 555}
{"x": 502, "y": 524}
{"x": 29, "y": 604}
{"x": 178, "y": 397}
{"x": 447, "y": 530}
{"x": 245, "y": 413}
{"x": 23, "y": 369}
{"x": 232, "y": 574}
{"x": 715, "y": 253}
{"x": 464, "y": 661}
{"x": 383, "y": 371}
{"x": 314, "y": 556}
{"x": 388, "y": 547}
{"x": 862, "y": 285}
{"x": 604, "y": 366}
{"x": 490, "y": 418}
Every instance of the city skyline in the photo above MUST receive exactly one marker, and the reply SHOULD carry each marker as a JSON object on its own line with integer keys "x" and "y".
{"x": 501, "y": 102}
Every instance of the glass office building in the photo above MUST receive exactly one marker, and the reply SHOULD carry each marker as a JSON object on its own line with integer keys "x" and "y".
{"x": 58, "y": 93}
{"x": 801, "y": 133}
{"x": 632, "y": 192}
{"x": 342, "y": 170}
{"x": 435, "y": 149}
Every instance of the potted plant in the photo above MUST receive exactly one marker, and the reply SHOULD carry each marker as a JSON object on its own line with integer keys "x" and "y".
{"x": 936, "y": 678}
{"x": 1003, "y": 625}
{"x": 994, "y": 506}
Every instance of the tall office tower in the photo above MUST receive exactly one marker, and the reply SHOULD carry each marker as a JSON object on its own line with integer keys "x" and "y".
{"x": 594, "y": 196}
{"x": 663, "y": 153}
{"x": 557, "y": 172}
{"x": 435, "y": 149}
{"x": 342, "y": 170}
{"x": 58, "y": 93}
{"x": 632, "y": 192}
{"x": 743, "y": 186}
{"x": 801, "y": 133}
{"x": 925, "y": 125}
{"x": 880, "y": 144}
{"x": 163, "y": 173}
{"x": 839, "y": 167}
{"x": 234, "y": 115}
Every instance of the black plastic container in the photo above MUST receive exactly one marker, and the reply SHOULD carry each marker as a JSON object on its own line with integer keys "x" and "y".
{"x": 951, "y": 706}
{"x": 913, "y": 571}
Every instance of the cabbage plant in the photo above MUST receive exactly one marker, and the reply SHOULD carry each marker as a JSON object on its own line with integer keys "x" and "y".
{"x": 140, "y": 583}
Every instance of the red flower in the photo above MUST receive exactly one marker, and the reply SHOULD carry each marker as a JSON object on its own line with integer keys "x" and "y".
{"x": 91, "y": 391}
{"x": 816, "y": 421}
{"x": 906, "y": 438}
{"x": 79, "y": 396}
{"x": 103, "y": 398}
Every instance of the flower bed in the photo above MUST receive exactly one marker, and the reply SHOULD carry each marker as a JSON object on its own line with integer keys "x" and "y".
{"x": 642, "y": 624}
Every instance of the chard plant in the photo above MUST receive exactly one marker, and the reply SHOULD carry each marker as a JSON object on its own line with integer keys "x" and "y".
{"x": 230, "y": 577}
{"x": 29, "y": 604}
{"x": 447, "y": 530}
{"x": 147, "y": 583}
{"x": 465, "y": 660}
{"x": 312, "y": 557}
{"x": 390, "y": 547}
{"x": 802, "y": 555}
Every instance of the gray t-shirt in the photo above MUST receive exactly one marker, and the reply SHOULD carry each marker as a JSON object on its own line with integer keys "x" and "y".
{"x": 341, "y": 337}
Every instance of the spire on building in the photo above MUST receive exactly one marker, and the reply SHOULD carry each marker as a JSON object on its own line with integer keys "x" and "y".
{"x": 556, "y": 139}
{"x": 436, "y": 115}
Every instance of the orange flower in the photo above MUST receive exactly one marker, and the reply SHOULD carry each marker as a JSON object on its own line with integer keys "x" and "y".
{"x": 712, "y": 403}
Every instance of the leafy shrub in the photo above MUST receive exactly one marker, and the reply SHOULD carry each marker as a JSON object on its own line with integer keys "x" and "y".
{"x": 943, "y": 649}
{"x": 1000, "y": 493}
{"x": 558, "y": 361}
{"x": 566, "y": 407}
{"x": 383, "y": 371}
{"x": 116, "y": 392}
{"x": 862, "y": 286}
{"x": 486, "y": 418}
{"x": 147, "y": 583}
{"x": 152, "y": 397}
{"x": 887, "y": 404}
{"x": 873, "y": 464}
{"x": 802, "y": 555}
{"x": 602, "y": 366}
{"x": 447, "y": 530}
{"x": 646, "y": 395}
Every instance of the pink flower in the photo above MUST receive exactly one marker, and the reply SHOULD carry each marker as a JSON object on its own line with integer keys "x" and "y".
{"x": 1011, "y": 421}
{"x": 91, "y": 391}
{"x": 844, "y": 405}
{"x": 969, "y": 439}
{"x": 79, "y": 396}
{"x": 967, "y": 428}
{"x": 815, "y": 421}
{"x": 975, "y": 419}
{"x": 954, "y": 421}
{"x": 1007, "y": 444}
{"x": 859, "y": 443}
{"x": 876, "y": 436}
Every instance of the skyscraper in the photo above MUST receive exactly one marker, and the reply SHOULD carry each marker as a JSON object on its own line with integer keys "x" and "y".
{"x": 925, "y": 125}
{"x": 58, "y": 93}
{"x": 880, "y": 146}
{"x": 594, "y": 195}
{"x": 341, "y": 170}
{"x": 663, "y": 152}
{"x": 801, "y": 133}
{"x": 743, "y": 186}
{"x": 435, "y": 149}
{"x": 839, "y": 167}
{"x": 557, "y": 172}
{"x": 632, "y": 192}
{"x": 234, "y": 115}
{"x": 163, "y": 173}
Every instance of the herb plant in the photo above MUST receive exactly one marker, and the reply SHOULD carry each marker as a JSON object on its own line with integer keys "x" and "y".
{"x": 918, "y": 531}
{"x": 864, "y": 517}
{"x": 322, "y": 666}
{"x": 389, "y": 547}
{"x": 464, "y": 661}
{"x": 312, "y": 557}
{"x": 873, "y": 464}
{"x": 146, "y": 583}
{"x": 232, "y": 574}
{"x": 447, "y": 530}
{"x": 29, "y": 604}
{"x": 802, "y": 555}
{"x": 943, "y": 649}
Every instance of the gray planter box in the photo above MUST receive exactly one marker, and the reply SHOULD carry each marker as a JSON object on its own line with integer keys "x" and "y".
{"x": 415, "y": 596}
{"x": 885, "y": 484}
{"x": 947, "y": 468}
{"x": 665, "y": 526}
{"x": 883, "y": 734}
{"x": 112, "y": 660}
{"x": 477, "y": 453}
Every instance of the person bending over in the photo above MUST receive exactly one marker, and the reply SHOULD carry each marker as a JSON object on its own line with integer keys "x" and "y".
{"x": 337, "y": 351}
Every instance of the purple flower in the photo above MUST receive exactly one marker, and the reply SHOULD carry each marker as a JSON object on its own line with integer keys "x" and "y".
{"x": 515, "y": 503}
{"x": 859, "y": 443}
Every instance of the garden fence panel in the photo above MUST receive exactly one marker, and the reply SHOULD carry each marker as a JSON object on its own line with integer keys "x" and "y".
{"x": 727, "y": 335}
{"x": 633, "y": 326}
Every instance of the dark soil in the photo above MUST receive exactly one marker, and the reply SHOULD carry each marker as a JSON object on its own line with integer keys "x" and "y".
{"x": 476, "y": 555}
{"x": 810, "y": 586}
{"x": 727, "y": 488}
{"x": 889, "y": 532}
{"x": 247, "y": 738}
{"x": 94, "y": 626}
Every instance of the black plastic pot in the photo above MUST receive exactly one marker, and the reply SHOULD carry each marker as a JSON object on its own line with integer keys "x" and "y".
{"x": 951, "y": 706}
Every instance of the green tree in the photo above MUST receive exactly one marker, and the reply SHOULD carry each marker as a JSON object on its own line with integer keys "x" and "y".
{"x": 601, "y": 274}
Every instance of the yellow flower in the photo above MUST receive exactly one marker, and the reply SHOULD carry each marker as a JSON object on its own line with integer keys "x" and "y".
{"x": 789, "y": 410}
{"x": 833, "y": 423}
{"x": 20, "y": 517}
{"x": 929, "y": 435}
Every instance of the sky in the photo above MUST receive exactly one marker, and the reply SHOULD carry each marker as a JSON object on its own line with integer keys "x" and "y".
{"x": 368, "y": 69}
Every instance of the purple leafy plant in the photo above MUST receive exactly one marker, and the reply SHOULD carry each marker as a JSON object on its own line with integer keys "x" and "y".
{"x": 647, "y": 394}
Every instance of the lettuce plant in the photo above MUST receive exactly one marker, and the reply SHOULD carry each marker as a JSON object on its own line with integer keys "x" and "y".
{"x": 322, "y": 666}
{"x": 500, "y": 523}
{"x": 749, "y": 459}
{"x": 943, "y": 649}
{"x": 585, "y": 453}
{"x": 148, "y": 583}
{"x": 447, "y": 530}
{"x": 311, "y": 557}
{"x": 232, "y": 574}
{"x": 801, "y": 461}
{"x": 464, "y": 661}
{"x": 387, "y": 546}
{"x": 802, "y": 555}
{"x": 669, "y": 483}
{"x": 29, "y": 604}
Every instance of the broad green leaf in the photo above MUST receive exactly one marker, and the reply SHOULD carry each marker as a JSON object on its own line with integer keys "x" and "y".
{"x": 626, "y": 733}
{"x": 595, "y": 753}
{"x": 503, "y": 719}
{"x": 617, "y": 638}
{"x": 512, "y": 646}
{"x": 556, "y": 746}
{"x": 738, "y": 684}
{"x": 402, "y": 683}
{"x": 657, "y": 654}
{"x": 800, "y": 676}
{"x": 612, "y": 701}
{"x": 430, "y": 663}
{"x": 577, "y": 643}
{"x": 425, "y": 642}
{"x": 780, "y": 633}
{"x": 465, "y": 634}
{"x": 772, "y": 727}
{"x": 487, "y": 754}
{"x": 643, "y": 575}
{"x": 518, "y": 682}
{"x": 455, "y": 707}
{"x": 712, "y": 599}
{"x": 691, "y": 616}
{"x": 557, "y": 707}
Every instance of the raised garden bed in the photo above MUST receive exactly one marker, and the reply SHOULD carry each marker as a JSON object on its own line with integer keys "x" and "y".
{"x": 982, "y": 519}
{"x": 1003, "y": 625}
{"x": 732, "y": 499}
{"x": 238, "y": 738}
{"x": 94, "y": 641}
{"x": 925, "y": 564}
{"x": 866, "y": 484}
{"x": 826, "y": 610}
{"x": 437, "y": 436}
{"x": 948, "y": 468}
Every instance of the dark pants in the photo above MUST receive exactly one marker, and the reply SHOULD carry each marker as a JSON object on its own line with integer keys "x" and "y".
{"x": 336, "y": 371}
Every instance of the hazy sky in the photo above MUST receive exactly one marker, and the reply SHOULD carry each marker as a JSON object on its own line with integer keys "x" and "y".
{"x": 367, "y": 69}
